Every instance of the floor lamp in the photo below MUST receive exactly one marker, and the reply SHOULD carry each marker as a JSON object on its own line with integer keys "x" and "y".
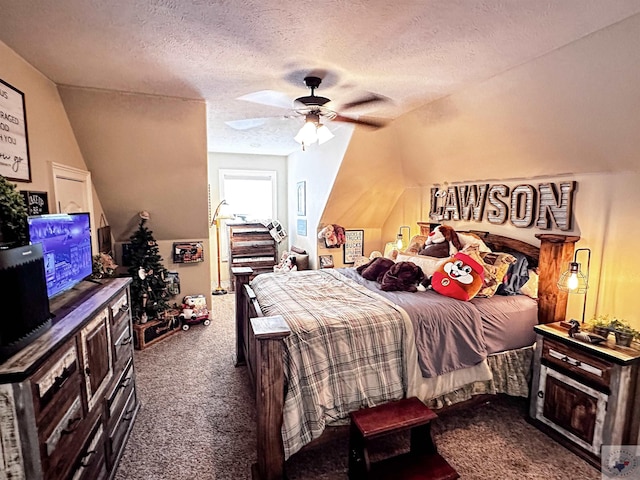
{"x": 220, "y": 214}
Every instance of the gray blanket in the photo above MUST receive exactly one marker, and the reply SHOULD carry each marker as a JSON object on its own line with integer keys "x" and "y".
{"x": 449, "y": 333}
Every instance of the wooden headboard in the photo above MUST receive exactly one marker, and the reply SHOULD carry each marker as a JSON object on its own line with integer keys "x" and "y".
{"x": 552, "y": 257}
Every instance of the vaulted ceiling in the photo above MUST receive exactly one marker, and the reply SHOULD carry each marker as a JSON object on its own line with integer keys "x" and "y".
{"x": 411, "y": 52}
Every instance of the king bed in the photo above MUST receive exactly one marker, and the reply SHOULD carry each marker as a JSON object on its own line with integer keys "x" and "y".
{"x": 319, "y": 344}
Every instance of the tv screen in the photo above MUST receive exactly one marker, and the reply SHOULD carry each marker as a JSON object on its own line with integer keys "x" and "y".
{"x": 66, "y": 247}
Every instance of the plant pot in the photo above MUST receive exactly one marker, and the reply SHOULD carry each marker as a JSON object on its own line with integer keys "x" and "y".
{"x": 623, "y": 339}
{"x": 602, "y": 331}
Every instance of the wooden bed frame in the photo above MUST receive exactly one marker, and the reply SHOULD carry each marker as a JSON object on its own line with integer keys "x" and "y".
{"x": 259, "y": 339}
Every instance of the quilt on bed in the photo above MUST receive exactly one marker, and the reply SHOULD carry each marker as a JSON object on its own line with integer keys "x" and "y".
{"x": 345, "y": 350}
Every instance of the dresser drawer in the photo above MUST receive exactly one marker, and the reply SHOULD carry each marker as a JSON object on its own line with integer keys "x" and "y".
{"x": 59, "y": 442}
{"x": 119, "y": 308}
{"x": 56, "y": 381}
{"x": 118, "y": 433}
{"x": 122, "y": 338}
{"x": 121, "y": 390}
{"x": 584, "y": 366}
{"x": 92, "y": 462}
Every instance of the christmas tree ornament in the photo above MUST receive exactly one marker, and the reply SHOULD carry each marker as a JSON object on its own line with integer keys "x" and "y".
{"x": 141, "y": 273}
{"x": 143, "y": 317}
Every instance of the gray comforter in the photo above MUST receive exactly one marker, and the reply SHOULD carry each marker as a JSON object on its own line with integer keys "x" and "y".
{"x": 449, "y": 333}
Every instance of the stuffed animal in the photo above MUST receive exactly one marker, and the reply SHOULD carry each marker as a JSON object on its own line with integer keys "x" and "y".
{"x": 288, "y": 263}
{"x": 328, "y": 234}
{"x": 375, "y": 269}
{"x": 441, "y": 242}
{"x": 461, "y": 277}
{"x": 402, "y": 276}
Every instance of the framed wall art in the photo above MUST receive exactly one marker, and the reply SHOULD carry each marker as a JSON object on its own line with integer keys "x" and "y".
{"x": 326, "y": 261}
{"x": 302, "y": 227}
{"x": 14, "y": 145}
{"x": 353, "y": 245}
{"x": 302, "y": 198}
{"x": 37, "y": 202}
{"x": 188, "y": 252}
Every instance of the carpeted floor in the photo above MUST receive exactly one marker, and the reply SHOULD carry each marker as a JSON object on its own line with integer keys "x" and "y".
{"x": 197, "y": 422}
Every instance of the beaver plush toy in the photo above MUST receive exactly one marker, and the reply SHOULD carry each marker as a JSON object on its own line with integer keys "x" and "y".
{"x": 460, "y": 277}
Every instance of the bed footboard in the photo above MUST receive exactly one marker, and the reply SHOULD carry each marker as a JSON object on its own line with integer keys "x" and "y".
{"x": 259, "y": 346}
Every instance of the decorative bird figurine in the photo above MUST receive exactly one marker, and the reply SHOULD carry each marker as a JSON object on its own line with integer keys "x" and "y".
{"x": 574, "y": 332}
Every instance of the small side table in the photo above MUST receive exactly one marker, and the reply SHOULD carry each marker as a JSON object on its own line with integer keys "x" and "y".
{"x": 422, "y": 462}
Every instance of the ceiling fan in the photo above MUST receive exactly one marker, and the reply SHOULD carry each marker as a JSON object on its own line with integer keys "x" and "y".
{"x": 313, "y": 108}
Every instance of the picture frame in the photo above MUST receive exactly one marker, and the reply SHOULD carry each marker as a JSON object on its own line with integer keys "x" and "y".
{"x": 353, "y": 245}
{"x": 301, "y": 190}
{"x": 326, "y": 261}
{"x": 37, "y": 202}
{"x": 14, "y": 143}
{"x": 302, "y": 227}
{"x": 188, "y": 252}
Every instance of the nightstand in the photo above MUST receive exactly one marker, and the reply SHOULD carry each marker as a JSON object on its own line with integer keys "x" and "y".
{"x": 583, "y": 395}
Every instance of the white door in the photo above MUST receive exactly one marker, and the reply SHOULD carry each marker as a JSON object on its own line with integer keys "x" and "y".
{"x": 72, "y": 191}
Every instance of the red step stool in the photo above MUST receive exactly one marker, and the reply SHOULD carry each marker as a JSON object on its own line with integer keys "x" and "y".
{"x": 422, "y": 462}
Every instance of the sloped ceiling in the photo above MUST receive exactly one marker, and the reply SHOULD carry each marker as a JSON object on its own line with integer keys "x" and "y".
{"x": 412, "y": 52}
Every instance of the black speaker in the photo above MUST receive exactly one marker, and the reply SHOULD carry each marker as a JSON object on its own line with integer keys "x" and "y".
{"x": 23, "y": 298}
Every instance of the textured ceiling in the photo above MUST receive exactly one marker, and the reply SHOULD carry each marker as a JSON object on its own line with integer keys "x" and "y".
{"x": 409, "y": 51}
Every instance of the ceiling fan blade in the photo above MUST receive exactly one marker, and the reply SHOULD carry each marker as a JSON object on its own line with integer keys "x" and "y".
{"x": 246, "y": 123}
{"x": 269, "y": 97}
{"x": 366, "y": 121}
{"x": 369, "y": 98}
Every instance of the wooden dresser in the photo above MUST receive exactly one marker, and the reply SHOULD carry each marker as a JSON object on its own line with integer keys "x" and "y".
{"x": 68, "y": 400}
{"x": 251, "y": 245}
{"x": 585, "y": 395}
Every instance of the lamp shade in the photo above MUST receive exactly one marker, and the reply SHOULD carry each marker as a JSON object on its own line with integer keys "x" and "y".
{"x": 573, "y": 280}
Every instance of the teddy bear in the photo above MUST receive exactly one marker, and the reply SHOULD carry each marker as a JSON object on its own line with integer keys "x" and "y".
{"x": 460, "y": 277}
{"x": 441, "y": 242}
{"x": 375, "y": 269}
{"x": 402, "y": 276}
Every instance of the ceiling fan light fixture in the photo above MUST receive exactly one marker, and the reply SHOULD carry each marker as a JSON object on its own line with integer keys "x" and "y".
{"x": 308, "y": 134}
{"x": 324, "y": 134}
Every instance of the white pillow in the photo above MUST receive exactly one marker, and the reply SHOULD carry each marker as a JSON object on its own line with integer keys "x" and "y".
{"x": 428, "y": 264}
{"x": 530, "y": 288}
{"x": 467, "y": 239}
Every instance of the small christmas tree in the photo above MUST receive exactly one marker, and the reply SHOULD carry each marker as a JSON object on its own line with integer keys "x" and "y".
{"x": 149, "y": 293}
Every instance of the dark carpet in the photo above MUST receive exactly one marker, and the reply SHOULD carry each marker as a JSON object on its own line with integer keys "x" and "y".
{"x": 197, "y": 422}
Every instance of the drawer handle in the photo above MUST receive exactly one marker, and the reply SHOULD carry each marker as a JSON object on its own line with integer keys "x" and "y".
{"x": 90, "y": 456}
{"x": 575, "y": 363}
{"x": 125, "y": 382}
{"x": 124, "y": 307}
{"x": 540, "y": 394}
{"x": 72, "y": 426}
{"x": 62, "y": 378}
{"x": 126, "y": 341}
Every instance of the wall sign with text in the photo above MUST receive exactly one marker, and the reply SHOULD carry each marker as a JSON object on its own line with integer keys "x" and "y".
{"x": 14, "y": 145}
{"x": 542, "y": 206}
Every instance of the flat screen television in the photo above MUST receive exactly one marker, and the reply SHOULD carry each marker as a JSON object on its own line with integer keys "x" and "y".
{"x": 66, "y": 247}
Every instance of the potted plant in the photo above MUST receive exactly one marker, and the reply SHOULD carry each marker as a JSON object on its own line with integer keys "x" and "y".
{"x": 623, "y": 331}
{"x": 600, "y": 325}
{"x": 13, "y": 216}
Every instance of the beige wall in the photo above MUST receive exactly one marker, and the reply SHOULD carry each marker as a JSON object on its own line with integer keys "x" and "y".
{"x": 148, "y": 153}
{"x": 51, "y": 138}
{"x": 234, "y": 161}
{"x": 572, "y": 113}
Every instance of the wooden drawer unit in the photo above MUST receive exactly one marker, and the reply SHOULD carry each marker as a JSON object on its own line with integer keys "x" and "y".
{"x": 583, "y": 395}
{"x": 251, "y": 245}
{"x": 67, "y": 400}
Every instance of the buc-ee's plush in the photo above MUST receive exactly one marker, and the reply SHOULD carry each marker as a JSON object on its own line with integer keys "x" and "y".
{"x": 460, "y": 277}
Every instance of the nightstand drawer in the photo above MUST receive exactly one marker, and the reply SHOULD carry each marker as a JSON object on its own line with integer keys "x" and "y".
{"x": 585, "y": 366}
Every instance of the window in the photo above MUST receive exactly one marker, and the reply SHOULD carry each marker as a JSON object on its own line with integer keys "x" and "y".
{"x": 251, "y": 194}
